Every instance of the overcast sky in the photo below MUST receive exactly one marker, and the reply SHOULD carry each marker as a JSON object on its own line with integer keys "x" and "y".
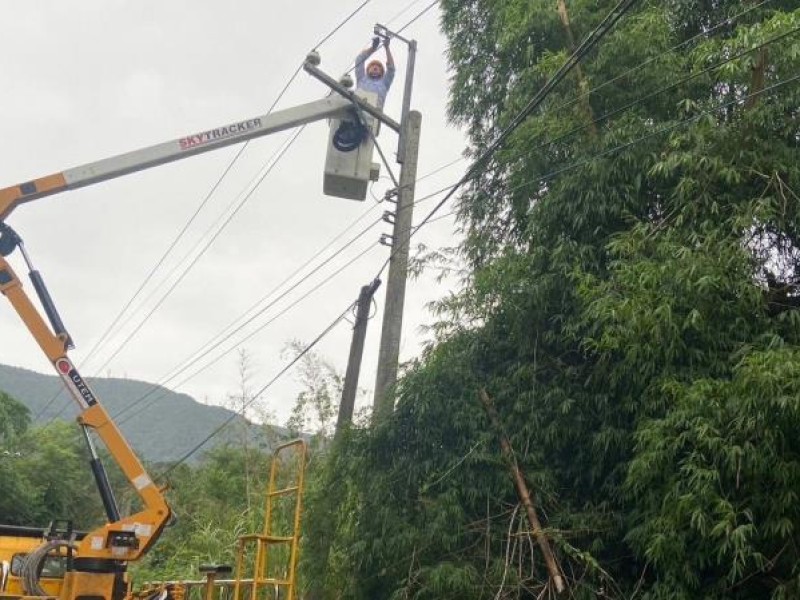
{"x": 89, "y": 79}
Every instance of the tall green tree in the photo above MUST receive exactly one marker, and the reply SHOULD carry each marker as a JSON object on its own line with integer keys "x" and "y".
{"x": 632, "y": 309}
{"x": 14, "y": 420}
{"x": 17, "y": 499}
{"x": 316, "y": 405}
{"x": 215, "y": 502}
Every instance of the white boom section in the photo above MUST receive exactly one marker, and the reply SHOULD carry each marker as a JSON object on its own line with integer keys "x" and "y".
{"x": 152, "y": 156}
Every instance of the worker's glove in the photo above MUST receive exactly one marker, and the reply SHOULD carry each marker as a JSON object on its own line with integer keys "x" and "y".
{"x": 376, "y": 41}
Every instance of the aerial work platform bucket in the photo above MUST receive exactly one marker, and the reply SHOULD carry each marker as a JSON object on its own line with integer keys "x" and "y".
{"x": 348, "y": 165}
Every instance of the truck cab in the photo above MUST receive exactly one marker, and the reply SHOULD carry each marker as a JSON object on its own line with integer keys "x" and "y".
{"x": 16, "y": 544}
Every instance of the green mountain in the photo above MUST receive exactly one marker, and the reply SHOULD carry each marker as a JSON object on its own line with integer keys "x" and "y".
{"x": 161, "y": 425}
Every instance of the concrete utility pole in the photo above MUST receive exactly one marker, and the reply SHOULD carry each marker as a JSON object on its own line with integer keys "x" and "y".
{"x": 389, "y": 352}
{"x": 407, "y": 155}
{"x": 356, "y": 353}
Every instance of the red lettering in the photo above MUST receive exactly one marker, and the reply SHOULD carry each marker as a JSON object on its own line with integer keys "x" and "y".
{"x": 191, "y": 141}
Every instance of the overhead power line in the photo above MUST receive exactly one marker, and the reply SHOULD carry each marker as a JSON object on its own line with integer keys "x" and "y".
{"x": 579, "y": 54}
{"x": 572, "y": 61}
{"x": 260, "y": 392}
{"x": 163, "y": 257}
{"x": 651, "y": 95}
{"x": 249, "y": 315}
{"x": 237, "y": 325}
{"x": 246, "y": 318}
{"x": 197, "y": 257}
{"x": 583, "y": 95}
{"x": 184, "y": 229}
{"x": 405, "y": 26}
{"x": 273, "y": 162}
{"x": 408, "y": 7}
{"x": 342, "y": 24}
{"x": 418, "y": 16}
{"x": 666, "y": 129}
{"x": 658, "y": 132}
{"x": 639, "y": 100}
{"x": 633, "y": 104}
{"x": 201, "y": 248}
{"x": 156, "y": 387}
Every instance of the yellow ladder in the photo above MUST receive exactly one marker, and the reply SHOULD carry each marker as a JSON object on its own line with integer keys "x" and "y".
{"x": 264, "y": 584}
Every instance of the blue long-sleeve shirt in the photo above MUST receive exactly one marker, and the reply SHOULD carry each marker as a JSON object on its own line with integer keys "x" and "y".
{"x": 378, "y": 86}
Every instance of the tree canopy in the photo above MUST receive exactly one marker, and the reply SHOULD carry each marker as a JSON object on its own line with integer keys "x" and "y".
{"x": 631, "y": 308}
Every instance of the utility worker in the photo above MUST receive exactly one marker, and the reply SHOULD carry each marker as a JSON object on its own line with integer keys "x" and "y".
{"x": 375, "y": 78}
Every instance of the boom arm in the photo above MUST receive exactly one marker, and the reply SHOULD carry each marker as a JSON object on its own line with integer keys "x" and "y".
{"x": 178, "y": 149}
{"x": 127, "y": 538}
{"x": 130, "y": 537}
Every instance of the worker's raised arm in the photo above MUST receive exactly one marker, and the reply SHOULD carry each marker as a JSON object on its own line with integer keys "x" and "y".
{"x": 389, "y": 57}
{"x": 389, "y": 77}
{"x": 362, "y": 57}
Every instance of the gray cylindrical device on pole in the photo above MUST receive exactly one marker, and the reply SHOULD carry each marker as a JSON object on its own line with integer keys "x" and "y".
{"x": 389, "y": 353}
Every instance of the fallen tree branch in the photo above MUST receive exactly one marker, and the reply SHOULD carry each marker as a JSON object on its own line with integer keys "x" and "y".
{"x": 523, "y": 493}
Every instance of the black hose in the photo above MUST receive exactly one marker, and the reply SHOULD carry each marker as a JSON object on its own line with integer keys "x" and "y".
{"x": 349, "y": 136}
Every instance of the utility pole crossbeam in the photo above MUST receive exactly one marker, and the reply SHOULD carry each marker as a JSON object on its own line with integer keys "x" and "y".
{"x": 351, "y": 96}
{"x": 389, "y": 353}
{"x": 356, "y": 353}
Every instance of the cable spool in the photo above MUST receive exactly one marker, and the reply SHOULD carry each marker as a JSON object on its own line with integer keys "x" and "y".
{"x": 34, "y": 563}
{"x": 349, "y": 136}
